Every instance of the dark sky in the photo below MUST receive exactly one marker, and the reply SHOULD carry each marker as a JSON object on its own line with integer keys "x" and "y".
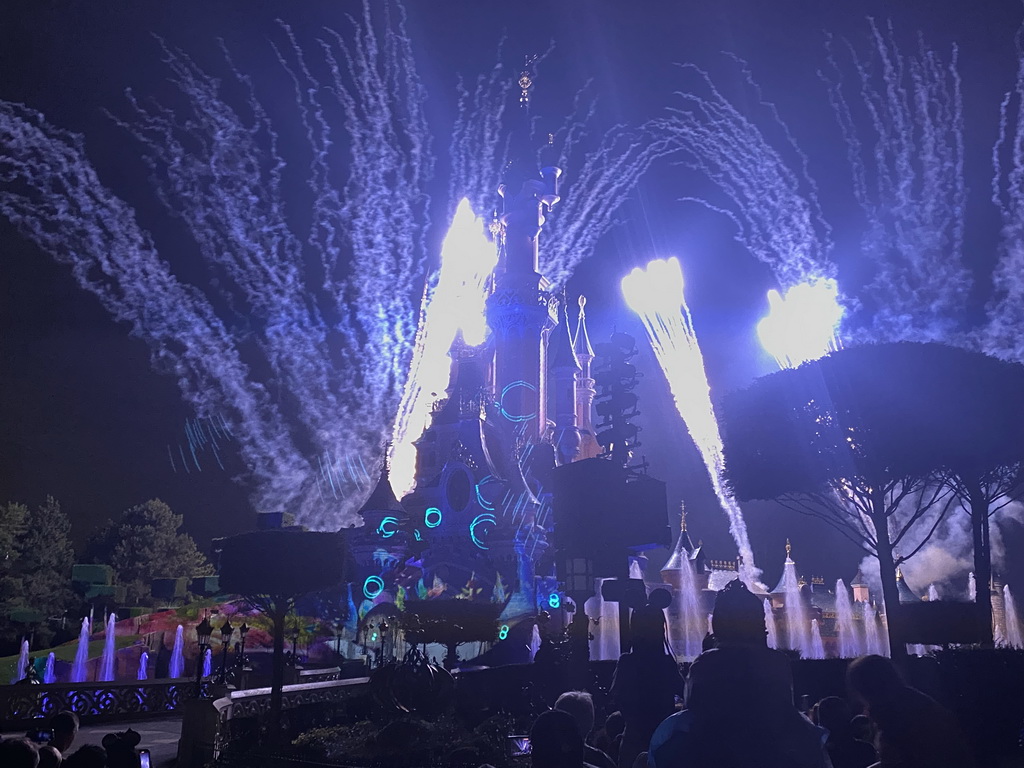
{"x": 85, "y": 419}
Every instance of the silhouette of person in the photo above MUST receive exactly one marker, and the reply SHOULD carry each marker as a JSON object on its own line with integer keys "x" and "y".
{"x": 844, "y": 749}
{"x": 739, "y": 699}
{"x": 555, "y": 742}
{"x": 912, "y": 730}
{"x": 580, "y": 705}
{"x": 646, "y": 680}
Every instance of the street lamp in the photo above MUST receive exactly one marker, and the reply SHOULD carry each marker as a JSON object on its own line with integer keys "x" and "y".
{"x": 204, "y": 631}
{"x": 226, "y": 633}
{"x": 295, "y": 643}
{"x": 243, "y": 631}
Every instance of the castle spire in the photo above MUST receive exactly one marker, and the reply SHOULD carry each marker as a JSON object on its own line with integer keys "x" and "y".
{"x": 585, "y": 387}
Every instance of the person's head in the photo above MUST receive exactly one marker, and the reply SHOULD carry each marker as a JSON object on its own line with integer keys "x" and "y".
{"x": 555, "y": 741}
{"x": 18, "y": 753}
{"x": 647, "y": 629}
{"x": 120, "y": 748}
{"x": 580, "y": 705}
{"x": 65, "y": 727}
{"x": 614, "y": 724}
{"x": 834, "y": 714}
{"x": 49, "y": 757}
{"x": 860, "y": 728}
{"x": 738, "y": 617}
{"x": 86, "y": 756}
{"x": 873, "y": 678}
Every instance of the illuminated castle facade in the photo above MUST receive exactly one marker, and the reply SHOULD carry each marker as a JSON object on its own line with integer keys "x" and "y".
{"x": 478, "y": 522}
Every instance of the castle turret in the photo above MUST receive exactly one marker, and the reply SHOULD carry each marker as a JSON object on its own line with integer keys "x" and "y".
{"x": 565, "y": 370}
{"x": 861, "y": 591}
{"x": 585, "y": 389}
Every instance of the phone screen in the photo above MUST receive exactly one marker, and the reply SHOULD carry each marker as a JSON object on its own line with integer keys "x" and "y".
{"x": 41, "y": 737}
{"x": 143, "y": 758}
{"x": 519, "y": 745}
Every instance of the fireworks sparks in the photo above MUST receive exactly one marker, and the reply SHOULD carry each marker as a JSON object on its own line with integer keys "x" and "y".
{"x": 802, "y": 323}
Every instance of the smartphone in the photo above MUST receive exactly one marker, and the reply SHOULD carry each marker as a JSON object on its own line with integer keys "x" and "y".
{"x": 519, "y": 746}
{"x": 40, "y": 737}
{"x": 143, "y": 758}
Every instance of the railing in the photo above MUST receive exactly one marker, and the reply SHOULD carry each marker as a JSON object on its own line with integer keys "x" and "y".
{"x": 25, "y": 705}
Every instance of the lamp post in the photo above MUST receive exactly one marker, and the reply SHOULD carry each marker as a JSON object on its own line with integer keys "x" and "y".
{"x": 226, "y": 633}
{"x": 243, "y": 631}
{"x": 295, "y": 644}
{"x": 204, "y": 630}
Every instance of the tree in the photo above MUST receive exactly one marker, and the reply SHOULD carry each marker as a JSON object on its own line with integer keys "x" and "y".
{"x": 273, "y": 568}
{"x": 858, "y": 439}
{"x": 12, "y": 525}
{"x": 143, "y": 543}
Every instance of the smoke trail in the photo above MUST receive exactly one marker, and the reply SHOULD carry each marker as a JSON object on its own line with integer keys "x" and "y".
{"x": 1002, "y": 335}
{"x": 656, "y": 294}
{"x": 774, "y": 208}
{"x": 908, "y": 178}
{"x": 54, "y": 197}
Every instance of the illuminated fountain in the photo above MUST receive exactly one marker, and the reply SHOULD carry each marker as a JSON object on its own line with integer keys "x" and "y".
{"x": 656, "y": 295}
{"x": 143, "y": 666}
{"x": 177, "y": 666}
{"x": 21, "y": 668}
{"x": 605, "y": 643}
{"x": 769, "y": 624}
{"x": 207, "y": 662}
{"x": 850, "y": 645}
{"x": 108, "y": 662}
{"x": 817, "y": 649}
{"x": 1012, "y": 631}
{"x": 872, "y": 632}
{"x": 933, "y": 593}
{"x": 79, "y": 669}
{"x": 535, "y": 641}
{"x": 797, "y": 620}
{"x": 972, "y": 587}
{"x": 49, "y": 673}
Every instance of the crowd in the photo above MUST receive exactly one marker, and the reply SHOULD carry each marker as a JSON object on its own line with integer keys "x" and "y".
{"x": 735, "y": 709}
{"x": 52, "y": 747}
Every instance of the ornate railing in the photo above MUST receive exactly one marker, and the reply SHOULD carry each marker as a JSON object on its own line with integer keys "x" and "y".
{"x": 25, "y": 705}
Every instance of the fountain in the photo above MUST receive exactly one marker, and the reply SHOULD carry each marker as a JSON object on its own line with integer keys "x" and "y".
{"x": 49, "y": 675}
{"x": 177, "y": 667}
{"x": 850, "y": 646}
{"x": 1012, "y": 632}
{"x": 78, "y": 669}
{"x": 711, "y": 624}
{"x": 933, "y": 593}
{"x": 817, "y": 645}
{"x": 635, "y": 572}
{"x": 972, "y": 588}
{"x": 21, "y": 669}
{"x": 207, "y": 662}
{"x": 143, "y": 666}
{"x": 797, "y": 624}
{"x": 534, "y": 642}
{"x": 769, "y": 624}
{"x": 872, "y": 632}
{"x": 108, "y": 664}
{"x": 605, "y": 645}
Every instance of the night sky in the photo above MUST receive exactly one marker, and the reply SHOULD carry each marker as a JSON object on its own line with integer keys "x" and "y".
{"x": 84, "y": 417}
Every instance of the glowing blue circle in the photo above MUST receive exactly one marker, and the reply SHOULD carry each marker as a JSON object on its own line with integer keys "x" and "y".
{"x": 515, "y": 417}
{"x": 387, "y": 532}
{"x": 482, "y": 519}
{"x": 432, "y": 512}
{"x": 554, "y": 601}
{"x": 503, "y": 632}
{"x": 480, "y": 497}
{"x": 373, "y": 586}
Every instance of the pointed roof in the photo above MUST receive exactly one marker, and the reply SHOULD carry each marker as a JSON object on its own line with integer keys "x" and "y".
{"x": 560, "y": 349}
{"x": 383, "y": 498}
{"x": 581, "y": 342}
{"x": 859, "y": 580}
{"x": 906, "y": 593}
{"x": 683, "y": 551}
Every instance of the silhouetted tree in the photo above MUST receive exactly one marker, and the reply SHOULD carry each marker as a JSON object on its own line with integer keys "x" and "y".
{"x": 861, "y": 440}
{"x": 271, "y": 569}
{"x": 144, "y": 543}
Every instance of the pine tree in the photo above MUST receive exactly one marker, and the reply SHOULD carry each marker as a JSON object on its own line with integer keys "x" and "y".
{"x": 143, "y": 543}
{"x": 45, "y": 557}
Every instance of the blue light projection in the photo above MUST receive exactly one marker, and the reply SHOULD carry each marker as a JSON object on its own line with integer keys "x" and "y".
{"x": 503, "y": 632}
{"x": 554, "y": 600}
{"x": 480, "y": 497}
{"x": 417, "y": 534}
{"x": 388, "y": 527}
{"x": 373, "y": 586}
{"x": 432, "y": 517}
{"x": 515, "y": 417}
{"x": 484, "y": 518}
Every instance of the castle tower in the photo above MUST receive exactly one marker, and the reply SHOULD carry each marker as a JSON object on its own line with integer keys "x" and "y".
{"x": 861, "y": 592}
{"x": 585, "y": 389}
{"x": 564, "y": 371}
{"x": 521, "y": 311}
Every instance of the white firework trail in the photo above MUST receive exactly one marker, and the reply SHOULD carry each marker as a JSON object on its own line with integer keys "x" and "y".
{"x": 908, "y": 177}
{"x": 1002, "y": 334}
{"x": 656, "y": 295}
{"x": 774, "y": 208}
